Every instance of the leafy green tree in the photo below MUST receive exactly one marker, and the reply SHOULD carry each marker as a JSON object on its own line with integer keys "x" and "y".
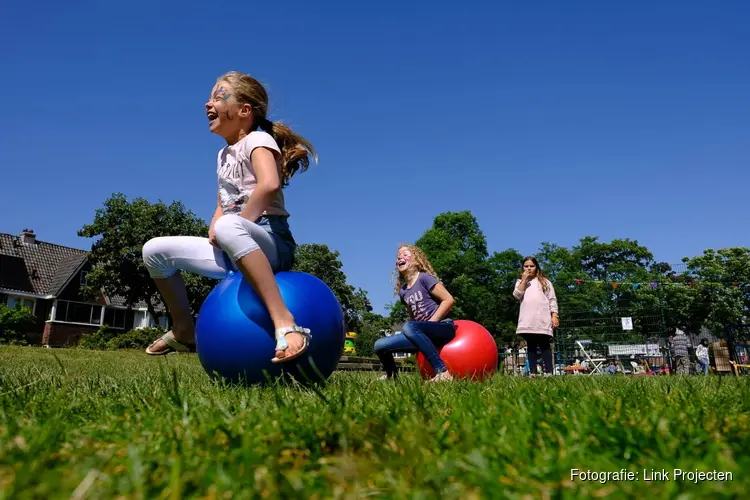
{"x": 588, "y": 271}
{"x": 457, "y": 249}
{"x": 374, "y": 326}
{"x": 319, "y": 260}
{"x": 398, "y": 315}
{"x": 708, "y": 293}
{"x": 558, "y": 263}
{"x": 501, "y": 310}
{"x": 718, "y": 276}
{"x": 122, "y": 228}
{"x": 616, "y": 261}
{"x": 674, "y": 299}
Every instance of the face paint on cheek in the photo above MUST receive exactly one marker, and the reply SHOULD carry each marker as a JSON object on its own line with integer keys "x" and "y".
{"x": 223, "y": 94}
{"x": 223, "y": 106}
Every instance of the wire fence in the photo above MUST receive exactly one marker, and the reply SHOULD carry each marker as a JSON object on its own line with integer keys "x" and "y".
{"x": 738, "y": 343}
{"x": 631, "y": 342}
{"x": 620, "y": 340}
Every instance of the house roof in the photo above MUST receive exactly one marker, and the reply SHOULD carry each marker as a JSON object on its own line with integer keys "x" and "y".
{"x": 36, "y": 267}
{"x": 41, "y": 268}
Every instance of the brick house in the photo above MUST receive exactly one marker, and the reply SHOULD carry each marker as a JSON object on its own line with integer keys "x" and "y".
{"x": 47, "y": 278}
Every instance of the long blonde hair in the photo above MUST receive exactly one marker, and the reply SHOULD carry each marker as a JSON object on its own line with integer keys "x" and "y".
{"x": 295, "y": 149}
{"x": 421, "y": 262}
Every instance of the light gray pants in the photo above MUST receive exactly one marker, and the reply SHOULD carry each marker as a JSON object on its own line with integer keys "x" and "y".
{"x": 237, "y": 236}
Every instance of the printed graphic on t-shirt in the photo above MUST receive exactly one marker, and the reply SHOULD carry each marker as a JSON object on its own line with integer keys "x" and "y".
{"x": 233, "y": 195}
{"x": 415, "y": 301}
{"x": 418, "y": 298}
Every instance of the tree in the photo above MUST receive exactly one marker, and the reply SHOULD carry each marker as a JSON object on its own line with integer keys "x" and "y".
{"x": 501, "y": 311}
{"x": 319, "y": 260}
{"x": 397, "y": 314}
{"x": 374, "y": 327}
{"x": 587, "y": 276}
{"x": 457, "y": 249}
{"x": 676, "y": 301}
{"x": 708, "y": 293}
{"x": 558, "y": 263}
{"x": 718, "y": 276}
{"x": 122, "y": 228}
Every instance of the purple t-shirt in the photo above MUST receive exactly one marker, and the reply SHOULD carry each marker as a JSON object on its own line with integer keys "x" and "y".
{"x": 418, "y": 299}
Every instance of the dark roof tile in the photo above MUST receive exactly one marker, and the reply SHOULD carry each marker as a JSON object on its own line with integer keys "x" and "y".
{"x": 43, "y": 262}
{"x": 65, "y": 269}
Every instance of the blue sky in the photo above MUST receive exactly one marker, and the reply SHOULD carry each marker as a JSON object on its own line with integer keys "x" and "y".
{"x": 549, "y": 120}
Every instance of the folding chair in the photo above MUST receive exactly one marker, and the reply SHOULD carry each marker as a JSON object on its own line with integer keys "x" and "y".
{"x": 596, "y": 363}
{"x": 637, "y": 369}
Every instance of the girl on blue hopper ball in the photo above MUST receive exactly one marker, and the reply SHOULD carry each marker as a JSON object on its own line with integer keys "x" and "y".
{"x": 428, "y": 304}
{"x": 249, "y": 231}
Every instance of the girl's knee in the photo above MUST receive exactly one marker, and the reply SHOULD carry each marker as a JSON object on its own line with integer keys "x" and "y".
{"x": 155, "y": 254}
{"x": 228, "y": 227}
{"x": 409, "y": 329}
{"x": 380, "y": 345}
{"x": 154, "y": 249}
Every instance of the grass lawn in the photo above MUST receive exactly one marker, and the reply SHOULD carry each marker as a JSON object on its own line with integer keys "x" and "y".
{"x": 87, "y": 424}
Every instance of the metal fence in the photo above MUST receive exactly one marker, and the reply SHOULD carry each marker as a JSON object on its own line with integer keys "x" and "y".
{"x": 738, "y": 344}
{"x": 629, "y": 341}
{"x": 625, "y": 341}
{"x": 613, "y": 337}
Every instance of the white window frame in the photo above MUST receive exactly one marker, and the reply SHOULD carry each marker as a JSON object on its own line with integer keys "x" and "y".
{"x": 124, "y": 311}
{"x": 20, "y": 298}
{"x": 58, "y": 303}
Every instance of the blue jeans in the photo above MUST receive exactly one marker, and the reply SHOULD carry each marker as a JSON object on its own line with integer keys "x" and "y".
{"x": 278, "y": 227}
{"x": 704, "y": 365}
{"x": 416, "y": 336}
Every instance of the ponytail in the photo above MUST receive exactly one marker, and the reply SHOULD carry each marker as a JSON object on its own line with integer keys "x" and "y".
{"x": 295, "y": 149}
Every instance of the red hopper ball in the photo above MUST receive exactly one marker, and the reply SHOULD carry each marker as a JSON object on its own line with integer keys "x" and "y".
{"x": 471, "y": 354}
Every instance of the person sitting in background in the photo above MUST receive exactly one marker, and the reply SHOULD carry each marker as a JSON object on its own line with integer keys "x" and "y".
{"x": 612, "y": 368}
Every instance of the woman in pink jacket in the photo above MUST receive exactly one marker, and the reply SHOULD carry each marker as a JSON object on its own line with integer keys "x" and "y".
{"x": 539, "y": 313}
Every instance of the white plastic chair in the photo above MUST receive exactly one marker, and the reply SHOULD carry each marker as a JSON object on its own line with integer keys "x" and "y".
{"x": 596, "y": 363}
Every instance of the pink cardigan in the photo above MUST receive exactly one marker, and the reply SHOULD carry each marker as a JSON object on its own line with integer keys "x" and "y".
{"x": 536, "y": 307}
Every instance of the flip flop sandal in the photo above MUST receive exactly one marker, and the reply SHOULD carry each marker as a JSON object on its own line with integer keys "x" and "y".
{"x": 281, "y": 344}
{"x": 172, "y": 346}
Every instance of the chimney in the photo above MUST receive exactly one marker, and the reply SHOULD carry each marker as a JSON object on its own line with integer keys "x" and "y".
{"x": 28, "y": 237}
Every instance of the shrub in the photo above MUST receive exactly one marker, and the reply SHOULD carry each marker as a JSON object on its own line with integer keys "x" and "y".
{"x": 135, "y": 339}
{"x": 98, "y": 339}
{"x": 13, "y": 324}
{"x": 107, "y": 338}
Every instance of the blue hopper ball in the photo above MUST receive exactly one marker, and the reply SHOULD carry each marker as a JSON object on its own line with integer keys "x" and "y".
{"x": 234, "y": 333}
